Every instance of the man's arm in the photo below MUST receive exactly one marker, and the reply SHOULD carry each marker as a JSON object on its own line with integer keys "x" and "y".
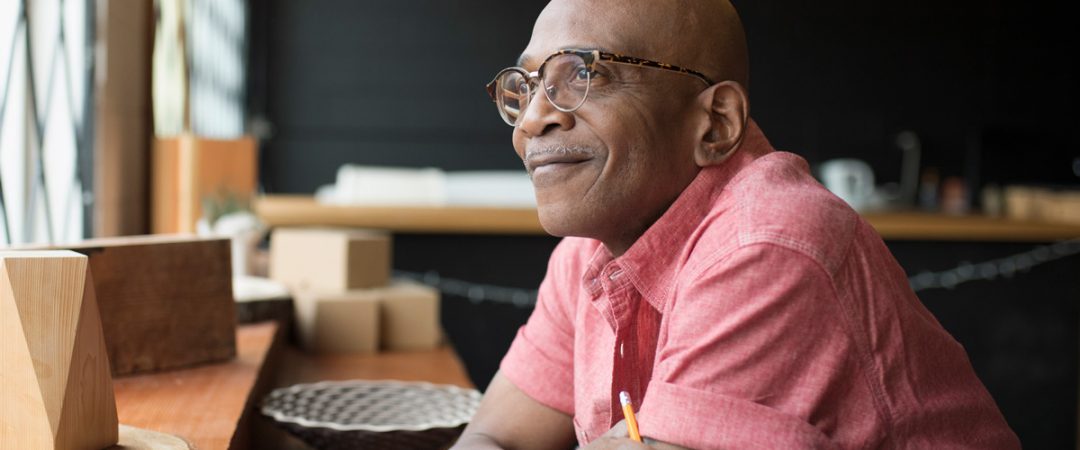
{"x": 509, "y": 419}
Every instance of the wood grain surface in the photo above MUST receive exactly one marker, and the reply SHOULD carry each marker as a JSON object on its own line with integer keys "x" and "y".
{"x": 166, "y": 301}
{"x": 439, "y": 366}
{"x": 206, "y": 406}
{"x": 56, "y": 390}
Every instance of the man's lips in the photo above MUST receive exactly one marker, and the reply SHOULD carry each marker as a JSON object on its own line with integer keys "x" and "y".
{"x": 552, "y": 160}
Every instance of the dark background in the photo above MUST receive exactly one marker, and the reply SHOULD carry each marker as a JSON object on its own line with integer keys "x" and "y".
{"x": 401, "y": 83}
{"x": 989, "y": 86}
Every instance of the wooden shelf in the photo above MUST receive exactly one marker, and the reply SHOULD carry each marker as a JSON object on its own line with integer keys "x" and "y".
{"x": 915, "y": 226}
{"x": 305, "y": 211}
{"x": 206, "y": 406}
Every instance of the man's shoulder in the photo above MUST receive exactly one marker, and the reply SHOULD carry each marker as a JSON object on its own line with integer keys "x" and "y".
{"x": 777, "y": 201}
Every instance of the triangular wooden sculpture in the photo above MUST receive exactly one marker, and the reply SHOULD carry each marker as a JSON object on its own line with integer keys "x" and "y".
{"x": 55, "y": 385}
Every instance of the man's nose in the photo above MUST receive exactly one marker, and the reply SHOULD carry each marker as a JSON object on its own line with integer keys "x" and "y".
{"x": 541, "y": 116}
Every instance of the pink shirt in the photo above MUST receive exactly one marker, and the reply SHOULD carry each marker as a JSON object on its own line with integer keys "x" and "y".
{"x": 758, "y": 312}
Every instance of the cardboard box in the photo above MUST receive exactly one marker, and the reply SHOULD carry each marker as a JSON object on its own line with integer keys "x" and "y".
{"x": 410, "y": 316}
{"x": 330, "y": 260}
{"x": 338, "y": 322}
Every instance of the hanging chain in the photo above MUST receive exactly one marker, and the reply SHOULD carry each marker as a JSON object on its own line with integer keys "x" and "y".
{"x": 475, "y": 292}
{"x": 1006, "y": 267}
{"x": 965, "y": 272}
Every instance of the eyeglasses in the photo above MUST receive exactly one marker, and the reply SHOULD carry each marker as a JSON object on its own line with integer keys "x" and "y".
{"x": 565, "y": 78}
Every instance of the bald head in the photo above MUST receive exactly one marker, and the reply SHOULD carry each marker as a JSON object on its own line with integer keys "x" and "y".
{"x": 704, "y": 35}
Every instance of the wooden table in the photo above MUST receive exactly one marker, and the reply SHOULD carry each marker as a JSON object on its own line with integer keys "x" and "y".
{"x": 206, "y": 406}
{"x": 440, "y": 366}
{"x": 211, "y": 406}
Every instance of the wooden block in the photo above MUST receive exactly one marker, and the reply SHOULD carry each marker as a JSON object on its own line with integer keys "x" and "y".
{"x": 188, "y": 169}
{"x": 330, "y": 260}
{"x": 166, "y": 301}
{"x": 55, "y": 387}
{"x": 339, "y": 322}
{"x": 409, "y": 314}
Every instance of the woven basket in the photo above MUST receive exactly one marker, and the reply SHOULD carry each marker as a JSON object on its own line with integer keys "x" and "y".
{"x": 372, "y": 414}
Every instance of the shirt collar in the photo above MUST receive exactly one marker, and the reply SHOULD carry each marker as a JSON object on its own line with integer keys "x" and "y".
{"x": 653, "y": 261}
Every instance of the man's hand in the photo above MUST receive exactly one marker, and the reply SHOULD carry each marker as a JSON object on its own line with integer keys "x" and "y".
{"x": 618, "y": 438}
{"x": 509, "y": 419}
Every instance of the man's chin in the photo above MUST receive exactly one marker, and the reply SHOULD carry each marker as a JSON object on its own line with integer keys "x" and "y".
{"x": 562, "y": 220}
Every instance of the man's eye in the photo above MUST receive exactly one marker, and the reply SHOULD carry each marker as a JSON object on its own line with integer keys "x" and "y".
{"x": 581, "y": 74}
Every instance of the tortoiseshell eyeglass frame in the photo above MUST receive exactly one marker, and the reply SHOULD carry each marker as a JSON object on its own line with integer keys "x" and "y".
{"x": 590, "y": 57}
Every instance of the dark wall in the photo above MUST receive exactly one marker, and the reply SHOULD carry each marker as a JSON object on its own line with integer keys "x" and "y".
{"x": 383, "y": 82}
{"x": 401, "y": 83}
{"x": 842, "y": 77}
{"x": 1020, "y": 332}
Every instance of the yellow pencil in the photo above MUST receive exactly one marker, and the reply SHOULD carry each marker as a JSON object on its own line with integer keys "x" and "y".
{"x": 628, "y": 412}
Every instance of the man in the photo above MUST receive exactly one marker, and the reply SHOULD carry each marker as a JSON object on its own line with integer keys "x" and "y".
{"x": 738, "y": 303}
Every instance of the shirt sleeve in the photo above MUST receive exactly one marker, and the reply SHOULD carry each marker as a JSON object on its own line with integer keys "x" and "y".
{"x": 540, "y": 360}
{"x": 750, "y": 354}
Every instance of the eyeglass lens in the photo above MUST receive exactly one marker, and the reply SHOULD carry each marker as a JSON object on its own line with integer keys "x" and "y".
{"x": 564, "y": 79}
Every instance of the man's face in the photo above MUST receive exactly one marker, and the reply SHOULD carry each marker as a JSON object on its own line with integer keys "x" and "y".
{"x": 612, "y": 167}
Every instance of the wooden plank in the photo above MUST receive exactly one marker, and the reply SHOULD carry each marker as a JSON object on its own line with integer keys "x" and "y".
{"x": 206, "y": 406}
{"x": 166, "y": 301}
{"x": 56, "y": 392}
{"x": 300, "y": 210}
{"x": 305, "y": 211}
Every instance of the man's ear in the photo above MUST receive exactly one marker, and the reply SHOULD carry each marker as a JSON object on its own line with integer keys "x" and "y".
{"x": 724, "y": 123}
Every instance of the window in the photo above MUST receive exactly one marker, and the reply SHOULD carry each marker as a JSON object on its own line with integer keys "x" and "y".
{"x": 45, "y": 138}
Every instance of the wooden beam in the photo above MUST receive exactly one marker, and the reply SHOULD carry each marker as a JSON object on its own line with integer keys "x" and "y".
{"x": 122, "y": 118}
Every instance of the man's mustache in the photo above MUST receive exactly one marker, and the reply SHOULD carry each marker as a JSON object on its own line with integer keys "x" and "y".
{"x": 557, "y": 149}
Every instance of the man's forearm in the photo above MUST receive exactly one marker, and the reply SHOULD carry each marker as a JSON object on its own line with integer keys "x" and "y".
{"x": 476, "y": 441}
